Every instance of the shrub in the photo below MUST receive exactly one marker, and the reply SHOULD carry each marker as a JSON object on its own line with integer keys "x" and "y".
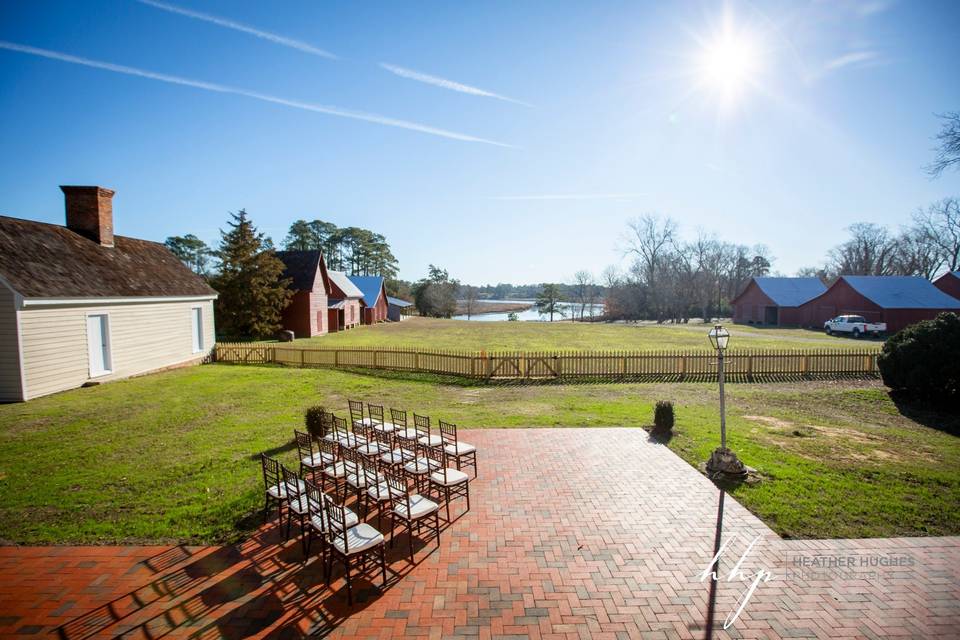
{"x": 663, "y": 416}
{"x": 923, "y": 360}
{"x": 315, "y": 421}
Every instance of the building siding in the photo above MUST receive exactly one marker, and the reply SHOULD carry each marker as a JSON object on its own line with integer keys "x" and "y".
{"x": 143, "y": 337}
{"x": 949, "y": 283}
{"x": 749, "y": 305}
{"x": 11, "y": 388}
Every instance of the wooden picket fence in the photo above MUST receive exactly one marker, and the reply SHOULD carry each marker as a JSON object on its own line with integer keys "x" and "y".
{"x": 559, "y": 365}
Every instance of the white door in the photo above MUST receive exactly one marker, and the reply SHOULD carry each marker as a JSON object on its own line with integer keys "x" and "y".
{"x": 197, "y": 329}
{"x": 98, "y": 342}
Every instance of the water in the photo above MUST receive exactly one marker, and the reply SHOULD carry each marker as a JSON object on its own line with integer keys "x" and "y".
{"x": 531, "y": 314}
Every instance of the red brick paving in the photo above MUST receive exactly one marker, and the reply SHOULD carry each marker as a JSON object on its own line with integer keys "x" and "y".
{"x": 573, "y": 533}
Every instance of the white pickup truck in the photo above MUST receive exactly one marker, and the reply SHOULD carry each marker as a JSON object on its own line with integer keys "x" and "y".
{"x": 856, "y": 326}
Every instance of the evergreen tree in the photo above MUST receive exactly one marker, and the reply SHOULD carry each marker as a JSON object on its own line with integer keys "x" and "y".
{"x": 252, "y": 293}
{"x": 193, "y": 251}
{"x": 548, "y": 302}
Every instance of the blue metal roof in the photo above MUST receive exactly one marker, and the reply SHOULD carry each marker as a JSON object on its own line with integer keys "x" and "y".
{"x": 397, "y": 302}
{"x": 901, "y": 292}
{"x": 790, "y": 292}
{"x": 370, "y": 287}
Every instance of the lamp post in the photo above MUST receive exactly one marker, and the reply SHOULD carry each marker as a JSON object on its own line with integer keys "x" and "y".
{"x": 722, "y": 462}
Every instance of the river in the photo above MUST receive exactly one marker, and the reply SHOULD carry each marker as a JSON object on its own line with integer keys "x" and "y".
{"x": 531, "y": 314}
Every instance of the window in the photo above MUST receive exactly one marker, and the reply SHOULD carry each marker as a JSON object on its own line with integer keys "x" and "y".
{"x": 98, "y": 344}
{"x": 196, "y": 320}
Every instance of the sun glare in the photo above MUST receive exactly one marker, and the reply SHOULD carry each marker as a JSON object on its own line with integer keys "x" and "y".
{"x": 729, "y": 63}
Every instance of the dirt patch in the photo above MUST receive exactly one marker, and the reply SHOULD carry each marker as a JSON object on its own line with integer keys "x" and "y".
{"x": 771, "y": 421}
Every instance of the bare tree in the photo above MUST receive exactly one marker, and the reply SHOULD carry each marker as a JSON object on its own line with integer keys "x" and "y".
{"x": 948, "y": 149}
{"x": 870, "y": 251}
{"x": 650, "y": 239}
{"x": 915, "y": 255}
{"x": 583, "y": 286}
{"x": 939, "y": 226}
{"x": 469, "y": 293}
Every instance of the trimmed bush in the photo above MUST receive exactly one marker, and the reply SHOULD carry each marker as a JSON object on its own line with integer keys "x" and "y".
{"x": 663, "y": 416}
{"x": 314, "y": 419}
{"x": 923, "y": 360}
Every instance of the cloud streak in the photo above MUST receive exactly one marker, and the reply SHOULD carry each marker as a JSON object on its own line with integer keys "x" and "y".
{"x": 573, "y": 196}
{"x": 854, "y": 58}
{"x": 443, "y": 83}
{"x": 236, "y": 26}
{"x": 220, "y": 88}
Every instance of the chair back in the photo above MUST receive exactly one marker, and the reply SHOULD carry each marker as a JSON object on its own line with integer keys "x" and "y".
{"x": 326, "y": 422}
{"x": 375, "y": 411}
{"x": 315, "y": 506}
{"x": 328, "y": 449}
{"x": 337, "y": 521}
{"x": 304, "y": 444}
{"x": 271, "y": 471}
{"x": 399, "y": 418}
{"x": 352, "y": 461}
{"x": 436, "y": 459}
{"x": 340, "y": 426}
{"x": 399, "y": 491}
{"x": 448, "y": 434}
{"x": 370, "y": 475}
{"x": 356, "y": 411}
{"x": 291, "y": 482}
{"x": 422, "y": 425}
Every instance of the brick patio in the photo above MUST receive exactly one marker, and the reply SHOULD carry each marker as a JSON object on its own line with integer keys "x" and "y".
{"x": 572, "y": 533}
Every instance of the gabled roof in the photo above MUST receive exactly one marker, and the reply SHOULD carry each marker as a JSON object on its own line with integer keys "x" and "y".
{"x": 371, "y": 286}
{"x": 342, "y": 282}
{"x": 954, "y": 274}
{"x": 789, "y": 292}
{"x": 901, "y": 292}
{"x": 41, "y": 260}
{"x": 397, "y": 302}
{"x": 302, "y": 268}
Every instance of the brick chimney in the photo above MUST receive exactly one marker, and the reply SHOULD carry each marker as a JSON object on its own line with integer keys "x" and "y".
{"x": 90, "y": 213}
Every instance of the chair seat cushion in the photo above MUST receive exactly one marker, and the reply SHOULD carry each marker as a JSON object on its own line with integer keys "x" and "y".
{"x": 336, "y": 470}
{"x": 319, "y": 459}
{"x": 279, "y": 491}
{"x": 397, "y": 456}
{"x": 420, "y": 466}
{"x": 351, "y": 440}
{"x": 386, "y": 427}
{"x": 357, "y": 481}
{"x": 299, "y": 505}
{"x": 452, "y": 477}
{"x": 319, "y": 521}
{"x": 430, "y": 441}
{"x": 382, "y": 491}
{"x": 461, "y": 448}
{"x": 359, "y": 538}
{"x": 372, "y": 449}
{"x": 419, "y": 507}
{"x": 407, "y": 434}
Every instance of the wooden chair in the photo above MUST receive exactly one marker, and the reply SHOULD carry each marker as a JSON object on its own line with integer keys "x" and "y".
{"x": 448, "y": 482}
{"x": 345, "y": 437}
{"x": 356, "y": 480}
{"x": 335, "y": 472}
{"x": 400, "y": 428}
{"x": 378, "y": 443}
{"x": 422, "y": 426}
{"x": 356, "y": 413}
{"x": 296, "y": 504}
{"x": 274, "y": 489}
{"x": 375, "y": 419}
{"x": 461, "y": 452}
{"x": 352, "y": 544}
{"x": 378, "y": 490}
{"x": 318, "y": 522}
{"x": 403, "y": 451}
{"x": 420, "y": 467}
{"x": 311, "y": 460}
{"x": 410, "y": 509}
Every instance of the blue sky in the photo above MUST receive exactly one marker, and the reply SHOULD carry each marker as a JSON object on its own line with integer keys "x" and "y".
{"x": 544, "y": 128}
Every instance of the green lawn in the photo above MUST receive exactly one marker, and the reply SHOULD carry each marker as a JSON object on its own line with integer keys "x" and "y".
{"x": 173, "y": 456}
{"x": 542, "y": 336}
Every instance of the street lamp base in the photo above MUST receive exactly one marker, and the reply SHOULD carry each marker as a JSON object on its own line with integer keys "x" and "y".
{"x": 723, "y": 463}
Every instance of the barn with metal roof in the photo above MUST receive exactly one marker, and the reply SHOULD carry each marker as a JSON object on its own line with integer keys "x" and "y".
{"x": 896, "y": 300}
{"x": 775, "y": 301}
{"x": 949, "y": 283}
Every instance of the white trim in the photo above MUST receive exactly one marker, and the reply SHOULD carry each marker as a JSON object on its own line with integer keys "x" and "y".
{"x": 108, "y": 365}
{"x": 23, "y": 371}
{"x": 197, "y": 331}
{"x": 53, "y": 302}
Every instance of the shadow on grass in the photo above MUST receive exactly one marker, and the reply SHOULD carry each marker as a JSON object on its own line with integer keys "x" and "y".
{"x": 941, "y": 418}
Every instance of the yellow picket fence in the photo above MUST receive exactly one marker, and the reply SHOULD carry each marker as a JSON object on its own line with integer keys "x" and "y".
{"x": 547, "y": 365}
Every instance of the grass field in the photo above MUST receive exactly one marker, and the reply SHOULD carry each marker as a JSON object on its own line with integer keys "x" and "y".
{"x": 543, "y": 336}
{"x": 173, "y": 456}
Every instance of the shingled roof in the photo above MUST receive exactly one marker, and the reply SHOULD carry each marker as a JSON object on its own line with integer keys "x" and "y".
{"x": 302, "y": 268}
{"x": 41, "y": 260}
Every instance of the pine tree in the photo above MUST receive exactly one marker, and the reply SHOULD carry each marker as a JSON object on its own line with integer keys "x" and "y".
{"x": 252, "y": 293}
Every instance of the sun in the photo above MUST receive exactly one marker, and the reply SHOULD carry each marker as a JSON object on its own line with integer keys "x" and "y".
{"x": 730, "y": 62}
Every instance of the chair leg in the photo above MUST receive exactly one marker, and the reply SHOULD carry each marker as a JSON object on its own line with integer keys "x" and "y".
{"x": 468, "y": 496}
{"x": 266, "y": 509}
{"x": 289, "y": 518}
{"x": 346, "y": 564}
{"x": 446, "y": 496}
{"x": 436, "y": 526}
{"x": 410, "y": 529}
{"x": 303, "y": 538}
{"x": 383, "y": 565}
{"x": 309, "y": 537}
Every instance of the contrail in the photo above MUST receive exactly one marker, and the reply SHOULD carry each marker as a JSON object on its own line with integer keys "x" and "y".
{"x": 236, "y": 26}
{"x": 220, "y": 88}
{"x": 447, "y": 84}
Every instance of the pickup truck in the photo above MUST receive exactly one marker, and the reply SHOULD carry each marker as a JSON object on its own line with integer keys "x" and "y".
{"x": 856, "y": 326}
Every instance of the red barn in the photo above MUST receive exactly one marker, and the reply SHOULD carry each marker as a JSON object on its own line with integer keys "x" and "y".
{"x": 775, "y": 301}
{"x": 949, "y": 283}
{"x": 896, "y": 300}
{"x": 374, "y": 298}
{"x": 306, "y": 315}
{"x": 344, "y": 303}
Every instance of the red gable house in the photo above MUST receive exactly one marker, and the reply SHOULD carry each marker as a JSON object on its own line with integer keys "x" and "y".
{"x": 306, "y": 315}
{"x": 775, "y": 301}
{"x": 344, "y": 303}
{"x": 374, "y": 298}
{"x": 949, "y": 283}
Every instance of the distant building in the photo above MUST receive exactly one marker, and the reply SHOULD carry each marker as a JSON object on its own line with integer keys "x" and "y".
{"x": 306, "y": 314}
{"x": 896, "y": 300}
{"x": 397, "y": 308}
{"x": 775, "y": 301}
{"x": 949, "y": 283}
{"x": 344, "y": 302}
{"x": 80, "y": 305}
{"x": 374, "y": 300}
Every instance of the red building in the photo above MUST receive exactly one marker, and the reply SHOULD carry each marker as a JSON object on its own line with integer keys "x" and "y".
{"x": 949, "y": 283}
{"x": 896, "y": 300}
{"x": 374, "y": 299}
{"x": 775, "y": 301}
{"x": 306, "y": 315}
{"x": 344, "y": 305}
